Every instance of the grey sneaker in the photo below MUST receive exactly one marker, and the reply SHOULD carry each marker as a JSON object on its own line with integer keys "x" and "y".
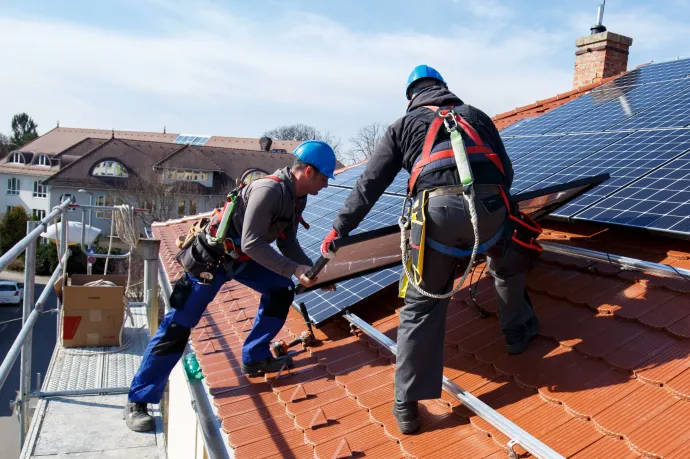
{"x": 407, "y": 415}
{"x": 517, "y": 340}
{"x": 270, "y": 365}
{"x": 138, "y": 418}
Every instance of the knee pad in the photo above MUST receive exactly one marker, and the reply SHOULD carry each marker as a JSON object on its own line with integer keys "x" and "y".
{"x": 173, "y": 341}
{"x": 279, "y": 302}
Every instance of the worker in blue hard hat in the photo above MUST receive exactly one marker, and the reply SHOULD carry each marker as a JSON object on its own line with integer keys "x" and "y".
{"x": 442, "y": 235}
{"x": 235, "y": 243}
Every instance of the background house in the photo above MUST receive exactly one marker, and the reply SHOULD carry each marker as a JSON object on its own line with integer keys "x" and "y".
{"x": 171, "y": 174}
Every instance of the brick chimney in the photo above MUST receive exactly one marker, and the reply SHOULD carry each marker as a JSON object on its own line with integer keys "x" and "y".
{"x": 600, "y": 55}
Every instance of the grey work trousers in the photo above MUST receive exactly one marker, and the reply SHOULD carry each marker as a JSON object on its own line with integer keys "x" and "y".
{"x": 419, "y": 360}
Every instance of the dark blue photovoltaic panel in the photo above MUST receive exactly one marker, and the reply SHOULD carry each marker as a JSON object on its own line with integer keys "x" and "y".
{"x": 320, "y": 212}
{"x": 660, "y": 200}
{"x": 629, "y": 103}
{"x": 663, "y": 71}
{"x": 561, "y": 115}
{"x": 673, "y": 112}
{"x": 556, "y": 156}
{"x": 626, "y": 160}
{"x": 322, "y": 306}
{"x": 509, "y": 130}
{"x": 517, "y": 147}
{"x": 348, "y": 177}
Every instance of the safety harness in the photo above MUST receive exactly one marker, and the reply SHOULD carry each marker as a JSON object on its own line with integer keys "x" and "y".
{"x": 445, "y": 154}
{"x": 211, "y": 241}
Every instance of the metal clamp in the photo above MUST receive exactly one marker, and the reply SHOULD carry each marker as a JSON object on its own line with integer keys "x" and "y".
{"x": 511, "y": 449}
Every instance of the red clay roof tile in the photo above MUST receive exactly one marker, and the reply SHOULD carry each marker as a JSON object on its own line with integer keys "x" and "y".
{"x": 609, "y": 339}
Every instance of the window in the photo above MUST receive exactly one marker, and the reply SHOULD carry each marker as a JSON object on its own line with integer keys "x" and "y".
{"x": 107, "y": 201}
{"x": 16, "y": 158}
{"x": 189, "y": 139}
{"x": 38, "y": 214}
{"x": 192, "y": 207}
{"x": 170, "y": 174}
{"x": 187, "y": 175}
{"x": 40, "y": 191}
{"x": 43, "y": 161}
{"x": 110, "y": 169}
{"x": 204, "y": 176}
{"x": 252, "y": 174}
{"x": 13, "y": 185}
{"x": 65, "y": 197}
{"x": 180, "y": 209}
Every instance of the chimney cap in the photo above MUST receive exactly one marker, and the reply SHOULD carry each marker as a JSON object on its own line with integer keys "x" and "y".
{"x": 597, "y": 28}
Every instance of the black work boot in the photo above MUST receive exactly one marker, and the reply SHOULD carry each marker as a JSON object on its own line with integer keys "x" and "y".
{"x": 518, "y": 339}
{"x": 270, "y": 365}
{"x": 137, "y": 417}
{"x": 407, "y": 415}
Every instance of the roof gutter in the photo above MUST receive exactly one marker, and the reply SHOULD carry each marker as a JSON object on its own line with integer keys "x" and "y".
{"x": 215, "y": 440}
{"x": 517, "y": 435}
{"x": 625, "y": 263}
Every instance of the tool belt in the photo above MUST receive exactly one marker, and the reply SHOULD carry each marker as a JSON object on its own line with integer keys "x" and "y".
{"x": 199, "y": 258}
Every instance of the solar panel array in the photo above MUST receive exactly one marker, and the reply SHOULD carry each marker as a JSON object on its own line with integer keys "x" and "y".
{"x": 636, "y": 128}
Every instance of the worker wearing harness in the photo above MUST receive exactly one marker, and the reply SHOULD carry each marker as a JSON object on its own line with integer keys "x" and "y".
{"x": 437, "y": 131}
{"x": 235, "y": 243}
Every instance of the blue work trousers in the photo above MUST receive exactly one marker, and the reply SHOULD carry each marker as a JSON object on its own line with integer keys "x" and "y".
{"x": 170, "y": 340}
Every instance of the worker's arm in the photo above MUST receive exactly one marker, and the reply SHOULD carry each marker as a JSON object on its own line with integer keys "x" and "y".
{"x": 290, "y": 246}
{"x": 381, "y": 169}
{"x": 263, "y": 205}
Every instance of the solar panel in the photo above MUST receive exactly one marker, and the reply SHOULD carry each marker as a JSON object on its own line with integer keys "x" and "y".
{"x": 659, "y": 201}
{"x": 320, "y": 212}
{"x": 627, "y": 104}
{"x": 509, "y": 130}
{"x": 673, "y": 112}
{"x": 662, "y": 71}
{"x": 517, "y": 147}
{"x": 561, "y": 115}
{"x": 626, "y": 160}
{"x": 556, "y": 156}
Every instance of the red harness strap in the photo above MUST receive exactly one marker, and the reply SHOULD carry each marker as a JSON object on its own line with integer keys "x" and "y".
{"x": 432, "y": 133}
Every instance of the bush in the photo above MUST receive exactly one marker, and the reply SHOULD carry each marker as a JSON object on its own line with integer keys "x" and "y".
{"x": 46, "y": 259}
{"x": 12, "y": 227}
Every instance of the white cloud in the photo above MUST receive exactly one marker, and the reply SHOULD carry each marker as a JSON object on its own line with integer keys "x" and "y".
{"x": 225, "y": 74}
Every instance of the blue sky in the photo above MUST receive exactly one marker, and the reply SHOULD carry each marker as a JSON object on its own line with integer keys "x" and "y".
{"x": 238, "y": 68}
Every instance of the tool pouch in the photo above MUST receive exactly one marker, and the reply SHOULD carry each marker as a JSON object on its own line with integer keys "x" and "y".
{"x": 184, "y": 241}
{"x": 181, "y": 291}
{"x": 416, "y": 243}
{"x": 201, "y": 259}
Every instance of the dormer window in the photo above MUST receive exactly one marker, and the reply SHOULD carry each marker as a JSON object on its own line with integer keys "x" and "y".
{"x": 110, "y": 169}
{"x": 43, "y": 161}
{"x": 16, "y": 158}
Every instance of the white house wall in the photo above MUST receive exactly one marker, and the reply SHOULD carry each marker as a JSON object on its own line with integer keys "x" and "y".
{"x": 25, "y": 197}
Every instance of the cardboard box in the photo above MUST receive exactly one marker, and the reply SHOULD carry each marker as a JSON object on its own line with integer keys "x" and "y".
{"x": 92, "y": 316}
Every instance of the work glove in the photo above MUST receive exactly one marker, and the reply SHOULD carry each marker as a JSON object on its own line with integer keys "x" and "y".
{"x": 326, "y": 251}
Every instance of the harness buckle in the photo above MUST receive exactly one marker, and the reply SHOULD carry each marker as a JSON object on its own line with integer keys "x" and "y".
{"x": 449, "y": 120}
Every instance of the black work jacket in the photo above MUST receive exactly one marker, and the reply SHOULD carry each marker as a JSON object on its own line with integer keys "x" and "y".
{"x": 401, "y": 147}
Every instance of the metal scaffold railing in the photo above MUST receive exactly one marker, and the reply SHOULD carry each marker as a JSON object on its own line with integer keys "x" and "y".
{"x": 22, "y": 346}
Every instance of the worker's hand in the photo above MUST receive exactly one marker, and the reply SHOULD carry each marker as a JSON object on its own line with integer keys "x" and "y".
{"x": 328, "y": 288}
{"x": 301, "y": 275}
{"x": 326, "y": 245}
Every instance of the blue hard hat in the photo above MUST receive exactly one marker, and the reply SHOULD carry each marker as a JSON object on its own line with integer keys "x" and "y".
{"x": 419, "y": 72}
{"x": 318, "y": 154}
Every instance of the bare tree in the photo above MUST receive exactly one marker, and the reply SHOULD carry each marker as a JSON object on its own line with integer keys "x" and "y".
{"x": 302, "y": 132}
{"x": 365, "y": 142}
{"x": 161, "y": 195}
{"x": 4, "y": 145}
